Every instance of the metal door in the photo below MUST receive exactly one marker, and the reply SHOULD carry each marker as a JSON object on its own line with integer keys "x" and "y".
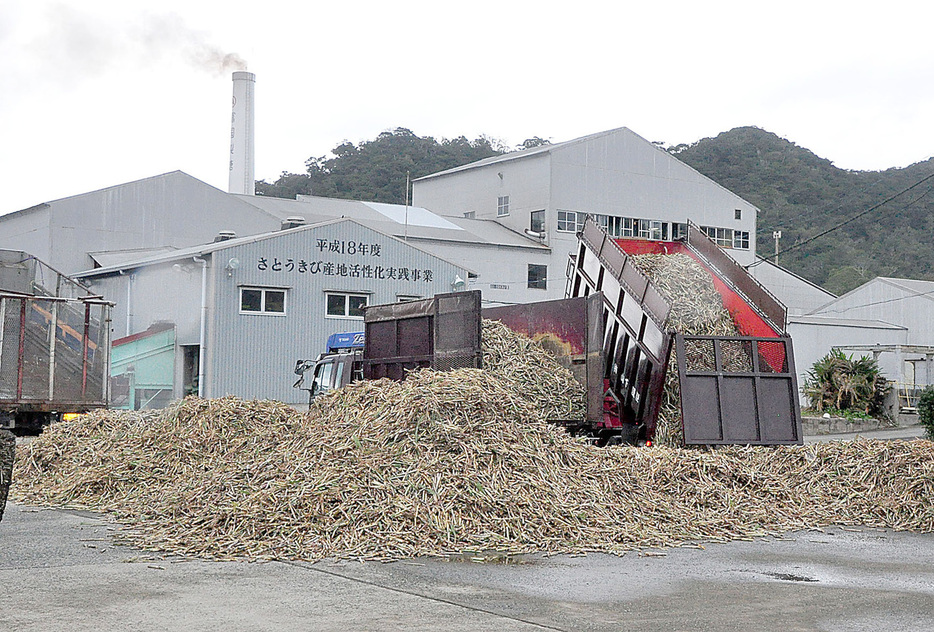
{"x": 738, "y": 390}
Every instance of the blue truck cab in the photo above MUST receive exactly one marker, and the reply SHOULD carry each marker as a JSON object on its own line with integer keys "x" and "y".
{"x": 335, "y": 368}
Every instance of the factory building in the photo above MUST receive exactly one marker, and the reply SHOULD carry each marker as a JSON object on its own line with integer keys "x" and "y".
{"x": 906, "y": 304}
{"x": 155, "y": 246}
{"x": 632, "y": 187}
{"x": 234, "y": 316}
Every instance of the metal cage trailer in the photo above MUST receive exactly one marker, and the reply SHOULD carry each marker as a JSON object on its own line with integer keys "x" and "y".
{"x": 756, "y": 404}
{"x": 54, "y": 344}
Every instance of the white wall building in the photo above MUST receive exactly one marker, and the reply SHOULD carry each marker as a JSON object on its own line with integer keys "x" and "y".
{"x": 904, "y": 303}
{"x": 245, "y": 310}
{"x": 634, "y": 189}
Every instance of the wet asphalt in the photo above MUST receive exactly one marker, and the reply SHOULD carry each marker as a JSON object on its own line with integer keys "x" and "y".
{"x": 60, "y": 571}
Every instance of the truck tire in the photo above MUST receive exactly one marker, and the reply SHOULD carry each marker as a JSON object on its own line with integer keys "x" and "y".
{"x": 7, "y": 453}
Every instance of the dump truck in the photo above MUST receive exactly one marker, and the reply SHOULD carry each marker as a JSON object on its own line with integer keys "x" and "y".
{"x": 54, "y": 344}
{"x": 335, "y": 368}
{"x": 442, "y": 333}
{"x": 613, "y": 333}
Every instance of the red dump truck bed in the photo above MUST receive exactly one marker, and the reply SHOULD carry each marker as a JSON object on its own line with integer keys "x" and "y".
{"x": 755, "y": 405}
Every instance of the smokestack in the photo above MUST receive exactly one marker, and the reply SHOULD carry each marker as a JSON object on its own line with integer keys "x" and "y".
{"x": 242, "y": 178}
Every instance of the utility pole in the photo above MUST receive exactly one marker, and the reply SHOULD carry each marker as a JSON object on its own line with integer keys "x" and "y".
{"x": 405, "y": 235}
{"x": 776, "y": 235}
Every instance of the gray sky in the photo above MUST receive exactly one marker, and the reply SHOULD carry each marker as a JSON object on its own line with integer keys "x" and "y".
{"x": 99, "y": 92}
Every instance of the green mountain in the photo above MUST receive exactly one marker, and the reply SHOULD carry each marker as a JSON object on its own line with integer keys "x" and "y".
{"x": 376, "y": 170}
{"x": 803, "y": 195}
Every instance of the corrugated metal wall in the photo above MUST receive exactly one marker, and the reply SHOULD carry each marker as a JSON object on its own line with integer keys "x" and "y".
{"x": 885, "y": 300}
{"x": 253, "y": 355}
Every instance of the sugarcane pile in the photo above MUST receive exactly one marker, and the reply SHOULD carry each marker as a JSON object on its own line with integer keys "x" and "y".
{"x": 696, "y": 309}
{"x": 696, "y": 306}
{"x": 523, "y": 362}
{"x": 444, "y": 463}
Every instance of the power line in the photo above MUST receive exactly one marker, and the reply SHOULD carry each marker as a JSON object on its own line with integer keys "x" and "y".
{"x": 854, "y": 218}
{"x": 808, "y": 213}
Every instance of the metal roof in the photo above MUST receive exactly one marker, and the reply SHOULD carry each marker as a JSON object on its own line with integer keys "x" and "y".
{"x": 398, "y": 220}
{"x": 522, "y": 153}
{"x": 194, "y": 251}
{"x": 912, "y": 287}
{"x": 107, "y": 258}
{"x": 915, "y": 286}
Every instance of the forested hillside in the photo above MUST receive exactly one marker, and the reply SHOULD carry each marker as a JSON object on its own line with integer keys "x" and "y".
{"x": 804, "y": 195}
{"x": 376, "y": 170}
{"x": 797, "y": 192}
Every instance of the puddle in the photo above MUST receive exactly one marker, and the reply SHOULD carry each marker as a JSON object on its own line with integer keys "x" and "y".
{"x": 489, "y": 558}
{"x": 790, "y": 577}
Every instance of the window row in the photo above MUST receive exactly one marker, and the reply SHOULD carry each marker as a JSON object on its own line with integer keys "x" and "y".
{"x": 622, "y": 227}
{"x": 568, "y": 221}
{"x": 272, "y": 301}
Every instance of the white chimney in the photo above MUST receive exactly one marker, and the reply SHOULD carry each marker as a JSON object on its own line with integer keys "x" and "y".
{"x": 242, "y": 178}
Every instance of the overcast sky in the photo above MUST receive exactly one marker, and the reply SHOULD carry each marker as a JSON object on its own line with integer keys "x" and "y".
{"x": 94, "y": 93}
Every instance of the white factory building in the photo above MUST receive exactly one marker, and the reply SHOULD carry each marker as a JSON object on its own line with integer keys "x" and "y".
{"x": 240, "y": 312}
{"x": 231, "y": 288}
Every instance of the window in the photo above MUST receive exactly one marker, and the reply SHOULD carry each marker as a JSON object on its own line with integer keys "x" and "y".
{"x": 741, "y": 239}
{"x": 738, "y": 214}
{"x": 502, "y": 205}
{"x": 322, "y": 381}
{"x": 538, "y": 277}
{"x": 258, "y": 300}
{"x": 537, "y": 221}
{"x": 630, "y": 227}
{"x": 341, "y": 305}
{"x": 726, "y": 237}
{"x": 570, "y": 221}
{"x": 679, "y": 231}
{"x": 627, "y": 226}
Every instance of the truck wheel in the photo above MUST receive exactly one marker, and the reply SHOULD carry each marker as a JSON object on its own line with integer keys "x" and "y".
{"x": 7, "y": 453}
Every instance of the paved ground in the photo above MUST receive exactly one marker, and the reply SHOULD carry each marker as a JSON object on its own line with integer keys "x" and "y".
{"x": 913, "y": 431}
{"x": 60, "y": 571}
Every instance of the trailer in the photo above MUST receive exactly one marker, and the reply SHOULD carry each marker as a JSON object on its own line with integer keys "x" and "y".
{"x": 54, "y": 344}
{"x": 756, "y": 405}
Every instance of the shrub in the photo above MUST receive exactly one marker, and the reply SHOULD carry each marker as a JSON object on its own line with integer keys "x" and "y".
{"x": 926, "y": 411}
{"x": 841, "y": 382}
